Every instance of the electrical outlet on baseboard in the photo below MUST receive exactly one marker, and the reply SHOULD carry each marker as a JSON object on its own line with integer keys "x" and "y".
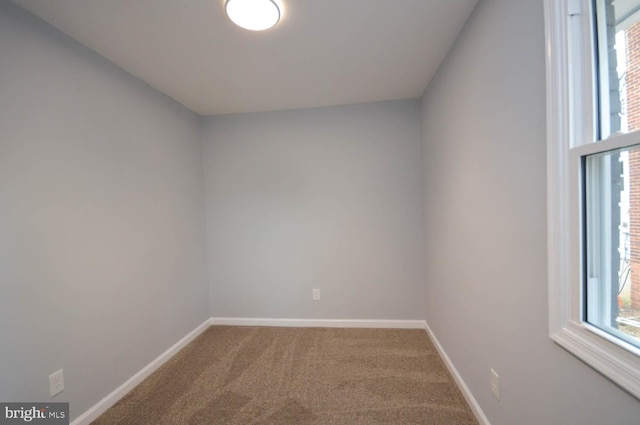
{"x": 56, "y": 383}
{"x": 316, "y": 295}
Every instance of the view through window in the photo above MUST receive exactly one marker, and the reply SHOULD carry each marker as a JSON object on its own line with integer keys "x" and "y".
{"x": 612, "y": 179}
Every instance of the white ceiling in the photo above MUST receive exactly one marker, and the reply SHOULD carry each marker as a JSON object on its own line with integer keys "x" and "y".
{"x": 322, "y": 53}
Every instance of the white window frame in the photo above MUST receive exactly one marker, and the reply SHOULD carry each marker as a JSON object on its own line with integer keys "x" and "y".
{"x": 571, "y": 115}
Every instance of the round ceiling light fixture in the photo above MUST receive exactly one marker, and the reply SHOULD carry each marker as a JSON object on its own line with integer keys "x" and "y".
{"x": 254, "y": 15}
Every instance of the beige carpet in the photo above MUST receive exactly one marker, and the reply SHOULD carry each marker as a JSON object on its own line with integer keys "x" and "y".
{"x": 249, "y": 375}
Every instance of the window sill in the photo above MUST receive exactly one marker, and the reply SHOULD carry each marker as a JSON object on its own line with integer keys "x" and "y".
{"x": 613, "y": 358}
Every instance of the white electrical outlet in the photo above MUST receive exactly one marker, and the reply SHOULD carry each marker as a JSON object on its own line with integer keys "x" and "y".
{"x": 316, "y": 295}
{"x": 495, "y": 384}
{"x": 56, "y": 383}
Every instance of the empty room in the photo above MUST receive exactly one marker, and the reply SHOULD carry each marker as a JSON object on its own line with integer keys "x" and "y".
{"x": 320, "y": 212}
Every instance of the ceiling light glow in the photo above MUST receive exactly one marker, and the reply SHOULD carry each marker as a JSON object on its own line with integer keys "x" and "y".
{"x": 254, "y": 15}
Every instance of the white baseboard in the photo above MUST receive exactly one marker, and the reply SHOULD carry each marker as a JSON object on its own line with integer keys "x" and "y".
{"x": 319, "y": 323}
{"x": 466, "y": 392}
{"x": 100, "y": 407}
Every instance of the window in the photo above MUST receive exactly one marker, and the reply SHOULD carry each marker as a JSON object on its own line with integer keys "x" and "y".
{"x": 593, "y": 119}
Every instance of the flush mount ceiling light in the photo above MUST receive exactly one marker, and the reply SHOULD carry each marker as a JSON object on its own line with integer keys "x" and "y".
{"x": 254, "y": 15}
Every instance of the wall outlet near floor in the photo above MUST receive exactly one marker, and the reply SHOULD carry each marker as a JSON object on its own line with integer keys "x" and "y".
{"x": 495, "y": 384}
{"x": 316, "y": 295}
{"x": 56, "y": 382}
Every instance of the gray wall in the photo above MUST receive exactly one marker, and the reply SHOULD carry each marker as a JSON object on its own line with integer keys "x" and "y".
{"x": 486, "y": 293}
{"x": 102, "y": 242}
{"x": 327, "y": 198}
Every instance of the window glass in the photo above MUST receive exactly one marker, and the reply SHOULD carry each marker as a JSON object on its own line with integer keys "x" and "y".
{"x": 612, "y": 227}
{"x": 618, "y": 54}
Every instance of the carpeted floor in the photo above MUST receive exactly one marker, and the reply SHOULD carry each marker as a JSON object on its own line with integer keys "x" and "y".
{"x": 296, "y": 376}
